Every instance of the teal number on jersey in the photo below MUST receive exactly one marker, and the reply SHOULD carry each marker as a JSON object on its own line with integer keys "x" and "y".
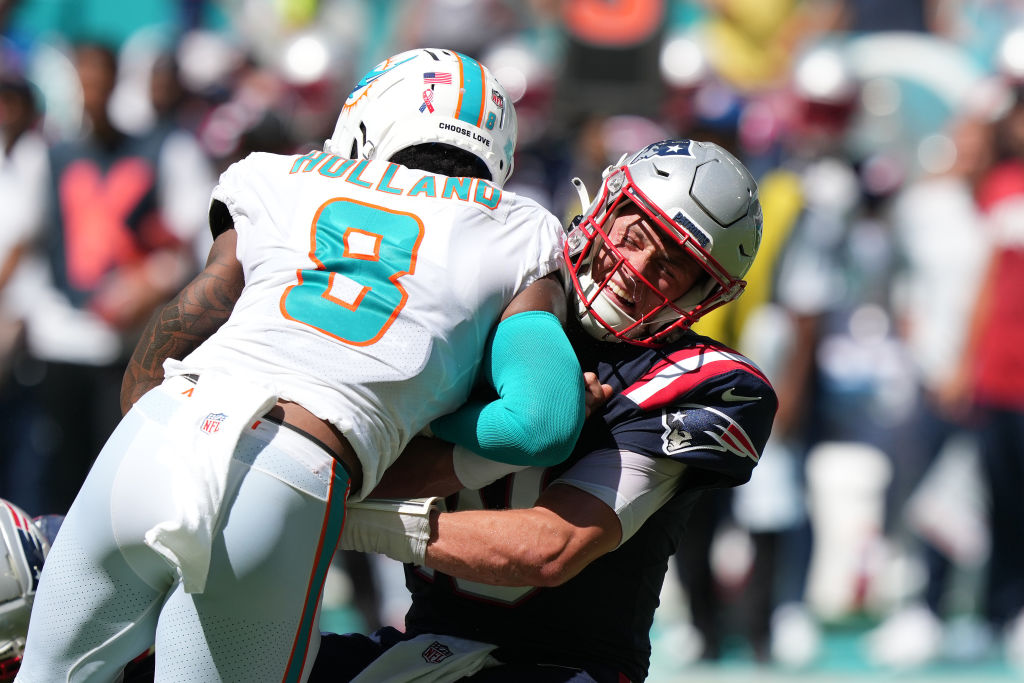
{"x": 360, "y": 252}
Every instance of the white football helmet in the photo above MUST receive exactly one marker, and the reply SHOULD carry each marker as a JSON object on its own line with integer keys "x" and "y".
{"x": 703, "y": 199}
{"x": 428, "y": 96}
{"x": 23, "y": 547}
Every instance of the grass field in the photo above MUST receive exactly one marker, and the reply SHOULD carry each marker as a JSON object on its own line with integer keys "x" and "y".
{"x": 842, "y": 660}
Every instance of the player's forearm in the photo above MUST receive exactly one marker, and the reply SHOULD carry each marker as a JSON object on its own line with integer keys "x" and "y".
{"x": 167, "y": 335}
{"x": 545, "y": 545}
{"x": 503, "y": 547}
{"x": 540, "y": 407}
{"x": 185, "y": 322}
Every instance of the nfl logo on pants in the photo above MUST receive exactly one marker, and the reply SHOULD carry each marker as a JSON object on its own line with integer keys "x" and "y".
{"x": 436, "y": 653}
{"x": 212, "y": 422}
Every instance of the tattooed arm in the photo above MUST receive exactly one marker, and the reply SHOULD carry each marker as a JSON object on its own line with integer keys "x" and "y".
{"x": 187, "y": 320}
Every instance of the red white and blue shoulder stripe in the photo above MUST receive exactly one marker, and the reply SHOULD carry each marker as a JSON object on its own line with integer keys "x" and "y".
{"x": 684, "y": 370}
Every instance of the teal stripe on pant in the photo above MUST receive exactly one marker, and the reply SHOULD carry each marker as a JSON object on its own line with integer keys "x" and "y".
{"x": 333, "y": 521}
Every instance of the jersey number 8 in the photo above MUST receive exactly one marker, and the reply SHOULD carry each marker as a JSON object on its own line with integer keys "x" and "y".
{"x": 360, "y": 252}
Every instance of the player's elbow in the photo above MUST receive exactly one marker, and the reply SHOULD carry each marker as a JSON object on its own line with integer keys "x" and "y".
{"x": 552, "y": 558}
{"x": 554, "y": 574}
{"x": 550, "y": 454}
{"x": 552, "y": 438}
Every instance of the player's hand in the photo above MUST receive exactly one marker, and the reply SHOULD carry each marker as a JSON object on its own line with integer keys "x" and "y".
{"x": 595, "y": 393}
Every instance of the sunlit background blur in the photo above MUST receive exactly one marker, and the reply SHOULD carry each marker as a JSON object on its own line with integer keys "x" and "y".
{"x": 882, "y": 533}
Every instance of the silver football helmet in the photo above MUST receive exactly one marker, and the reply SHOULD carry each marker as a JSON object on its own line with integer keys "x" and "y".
{"x": 23, "y": 548}
{"x": 428, "y": 96}
{"x": 699, "y": 196}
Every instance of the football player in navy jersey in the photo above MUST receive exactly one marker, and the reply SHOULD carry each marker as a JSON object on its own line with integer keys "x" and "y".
{"x": 554, "y": 574}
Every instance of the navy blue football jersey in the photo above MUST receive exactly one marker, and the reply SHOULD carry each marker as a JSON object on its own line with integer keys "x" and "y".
{"x": 695, "y": 401}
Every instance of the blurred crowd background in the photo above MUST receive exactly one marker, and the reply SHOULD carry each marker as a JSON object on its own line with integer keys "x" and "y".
{"x": 887, "y": 303}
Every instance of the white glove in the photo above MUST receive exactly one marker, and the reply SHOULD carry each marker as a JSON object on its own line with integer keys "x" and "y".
{"x": 397, "y": 528}
{"x": 475, "y": 471}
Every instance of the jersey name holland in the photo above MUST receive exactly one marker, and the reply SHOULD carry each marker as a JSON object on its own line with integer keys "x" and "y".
{"x": 699, "y": 403}
{"x": 370, "y": 289}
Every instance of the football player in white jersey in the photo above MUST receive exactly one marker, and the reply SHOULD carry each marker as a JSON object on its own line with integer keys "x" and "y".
{"x": 347, "y": 304}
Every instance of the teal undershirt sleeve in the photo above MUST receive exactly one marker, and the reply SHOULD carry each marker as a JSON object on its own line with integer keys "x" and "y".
{"x": 540, "y": 407}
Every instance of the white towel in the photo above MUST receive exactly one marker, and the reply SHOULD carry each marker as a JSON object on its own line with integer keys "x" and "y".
{"x": 202, "y": 437}
{"x": 428, "y": 658}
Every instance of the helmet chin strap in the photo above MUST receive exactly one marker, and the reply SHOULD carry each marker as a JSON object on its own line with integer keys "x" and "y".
{"x": 613, "y": 316}
{"x": 607, "y": 309}
{"x": 617, "y": 319}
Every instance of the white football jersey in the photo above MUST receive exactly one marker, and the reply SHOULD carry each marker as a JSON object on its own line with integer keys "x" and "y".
{"x": 370, "y": 289}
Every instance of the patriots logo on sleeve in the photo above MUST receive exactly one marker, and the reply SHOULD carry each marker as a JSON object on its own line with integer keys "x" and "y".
{"x": 703, "y": 404}
{"x": 693, "y": 427}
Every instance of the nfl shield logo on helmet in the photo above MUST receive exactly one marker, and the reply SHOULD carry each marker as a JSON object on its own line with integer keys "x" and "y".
{"x": 436, "y": 653}
{"x": 212, "y": 422}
